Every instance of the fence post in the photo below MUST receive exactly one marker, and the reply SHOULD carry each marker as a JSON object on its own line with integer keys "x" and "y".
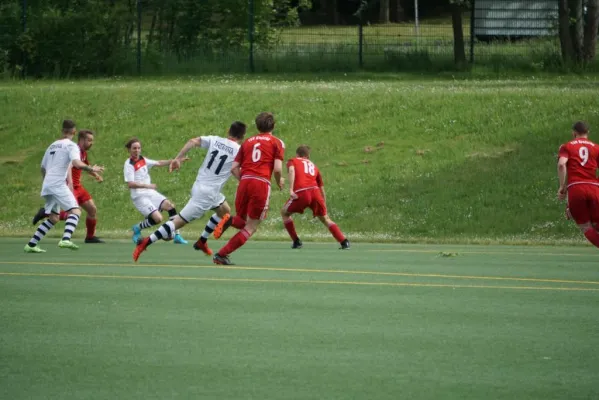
{"x": 251, "y": 33}
{"x": 139, "y": 12}
{"x": 360, "y": 43}
{"x": 23, "y": 53}
{"x": 472, "y": 19}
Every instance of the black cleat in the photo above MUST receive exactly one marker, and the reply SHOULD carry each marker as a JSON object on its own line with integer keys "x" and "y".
{"x": 220, "y": 260}
{"x": 41, "y": 214}
{"x": 94, "y": 239}
{"x": 344, "y": 245}
{"x": 297, "y": 244}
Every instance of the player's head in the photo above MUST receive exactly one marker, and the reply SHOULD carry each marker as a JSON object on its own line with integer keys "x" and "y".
{"x": 303, "y": 151}
{"x": 237, "y": 131}
{"x": 580, "y": 128}
{"x": 265, "y": 122}
{"x": 134, "y": 147}
{"x": 85, "y": 138}
{"x": 68, "y": 128}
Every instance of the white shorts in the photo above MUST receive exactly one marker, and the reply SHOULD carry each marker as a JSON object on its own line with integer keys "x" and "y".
{"x": 149, "y": 202}
{"x": 203, "y": 198}
{"x": 59, "y": 198}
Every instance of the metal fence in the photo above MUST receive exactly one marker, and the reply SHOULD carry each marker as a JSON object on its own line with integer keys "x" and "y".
{"x": 496, "y": 33}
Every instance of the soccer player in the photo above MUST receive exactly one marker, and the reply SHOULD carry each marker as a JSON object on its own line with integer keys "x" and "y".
{"x": 56, "y": 193}
{"x": 85, "y": 141}
{"x": 149, "y": 202}
{"x": 206, "y": 191}
{"x": 306, "y": 190}
{"x": 576, "y": 169}
{"x": 258, "y": 159}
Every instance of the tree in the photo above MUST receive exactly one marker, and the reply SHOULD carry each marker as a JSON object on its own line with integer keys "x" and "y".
{"x": 384, "y": 11}
{"x": 459, "y": 48}
{"x": 578, "y": 30}
{"x": 400, "y": 14}
{"x": 330, "y": 8}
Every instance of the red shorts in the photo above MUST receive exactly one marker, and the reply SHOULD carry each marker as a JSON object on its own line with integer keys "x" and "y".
{"x": 311, "y": 198}
{"x": 81, "y": 195}
{"x": 252, "y": 198}
{"x": 583, "y": 202}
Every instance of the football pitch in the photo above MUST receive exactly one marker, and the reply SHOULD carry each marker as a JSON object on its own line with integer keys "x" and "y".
{"x": 380, "y": 321}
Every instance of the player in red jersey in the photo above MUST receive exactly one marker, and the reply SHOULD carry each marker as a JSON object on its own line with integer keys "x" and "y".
{"x": 85, "y": 140}
{"x": 306, "y": 190}
{"x": 576, "y": 170}
{"x": 259, "y": 157}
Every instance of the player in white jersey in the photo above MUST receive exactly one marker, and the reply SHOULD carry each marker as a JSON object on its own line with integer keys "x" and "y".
{"x": 206, "y": 191}
{"x": 148, "y": 201}
{"x": 56, "y": 193}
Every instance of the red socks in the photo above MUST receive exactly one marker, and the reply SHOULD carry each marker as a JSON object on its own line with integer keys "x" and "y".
{"x": 290, "y": 229}
{"x": 337, "y": 234}
{"x": 234, "y": 243}
{"x": 90, "y": 224}
{"x": 238, "y": 222}
{"x": 593, "y": 236}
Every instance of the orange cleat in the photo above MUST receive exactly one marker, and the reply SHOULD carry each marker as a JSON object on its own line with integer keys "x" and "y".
{"x": 140, "y": 248}
{"x": 222, "y": 226}
{"x": 199, "y": 245}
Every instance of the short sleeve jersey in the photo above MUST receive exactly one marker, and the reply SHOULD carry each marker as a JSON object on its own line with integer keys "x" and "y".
{"x": 56, "y": 162}
{"x": 257, "y": 156}
{"x": 76, "y": 173}
{"x": 139, "y": 172}
{"x": 582, "y": 155}
{"x": 307, "y": 175}
{"x": 216, "y": 168}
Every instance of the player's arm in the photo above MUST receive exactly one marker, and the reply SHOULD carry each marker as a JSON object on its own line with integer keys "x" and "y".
{"x": 70, "y": 178}
{"x": 236, "y": 170}
{"x": 320, "y": 184}
{"x": 278, "y": 173}
{"x": 87, "y": 168}
{"x": 97, "y": 177}
{"x": 562, "y": 173}
{"x": 291, "y": 179}
{"x": 191, "y": 143}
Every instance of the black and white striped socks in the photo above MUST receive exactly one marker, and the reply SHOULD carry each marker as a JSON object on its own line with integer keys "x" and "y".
{"x": 70, "y": 226}
{"x": 41, "y": 231}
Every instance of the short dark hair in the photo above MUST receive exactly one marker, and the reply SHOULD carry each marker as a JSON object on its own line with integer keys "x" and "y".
{"x": 84, "y": 133}
{"x": 581, "y": 127}
{"x": 303, "y": 150}
{"x": 131, "y": 142}
{"x": 237, "y": 130}
{"x": 265, "y": 122}
{"x": 68, "y": 125}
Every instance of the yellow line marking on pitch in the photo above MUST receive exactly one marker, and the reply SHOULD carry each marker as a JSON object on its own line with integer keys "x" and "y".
{"x": 250, "y": 280}
{"x": 328, "y": 271}
{"x": 484, "y": 252}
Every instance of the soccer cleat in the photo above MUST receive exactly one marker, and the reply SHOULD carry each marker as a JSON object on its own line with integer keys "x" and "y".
{"x": 178, "y": 239}
{"x": 67, "y": 244}
{"x": 344, "y": 245}
{"x": 41, "y": 214}
{"x": 199, "y": 245}
{"x": 136, "y": 234}
{"x": 34, "y": 249}
{"x": 220, "y": 260}
{"x": 222, "y": 226}
{"x": 297, "y": 244}
{"x": 94, "y": 239}
{"x": 140, "y": 248}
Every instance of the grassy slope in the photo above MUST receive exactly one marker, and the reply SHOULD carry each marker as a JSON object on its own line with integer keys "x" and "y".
{"x": 460, "y": 160}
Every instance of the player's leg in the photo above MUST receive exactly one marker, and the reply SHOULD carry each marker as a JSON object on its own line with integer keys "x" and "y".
{"x": 51, "y": 208}
{"x": 580, "y": 200}
{"x": 169, "y": 207}
{"x": 39, "y": 215}
{"x": 67, "y": 201}
{"x": 152, "y": 216}
{"x": 239, "y": 220}
{"x": 165, "y": 231}
{"x": 222, "y": 210}
{"x": 87, "y": 203}
{"x": 292, "y": 206}
{"x": 335, "y": 231}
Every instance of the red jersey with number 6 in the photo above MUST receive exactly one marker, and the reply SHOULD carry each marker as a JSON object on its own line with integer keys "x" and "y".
{"x": 582, "y": 155}
{"x": 307, "y": 175}
{"x": 257, "y": 156}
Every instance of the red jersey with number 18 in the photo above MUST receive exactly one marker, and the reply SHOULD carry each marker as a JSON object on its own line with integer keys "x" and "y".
{"x": 307, "y": 175}
{"x": 582, "y": 155}
{"x": 257, "y": 156}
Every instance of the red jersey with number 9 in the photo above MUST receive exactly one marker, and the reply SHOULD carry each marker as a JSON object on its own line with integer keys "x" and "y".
{"x": 307, "y": 175}
{"x": 582, "y": 155}
{"x": 257, "y": 156}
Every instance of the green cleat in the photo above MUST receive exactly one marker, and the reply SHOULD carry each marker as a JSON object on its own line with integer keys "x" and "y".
{"x": 67, "y": 244}
{"x": 34, "y": 249}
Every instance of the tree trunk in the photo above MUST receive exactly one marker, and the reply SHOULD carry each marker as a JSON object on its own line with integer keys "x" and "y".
{"x": 576, "y": 28}
{"x": 564, "y": 32}
{"x": 384, "y": 11}
{"x": 152, "y": 27}
{"x": 590, "y": 31}
{"x": 330, "y": 9}
{"x": 459, "y": 51}
{"x": 400, "y": 13}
